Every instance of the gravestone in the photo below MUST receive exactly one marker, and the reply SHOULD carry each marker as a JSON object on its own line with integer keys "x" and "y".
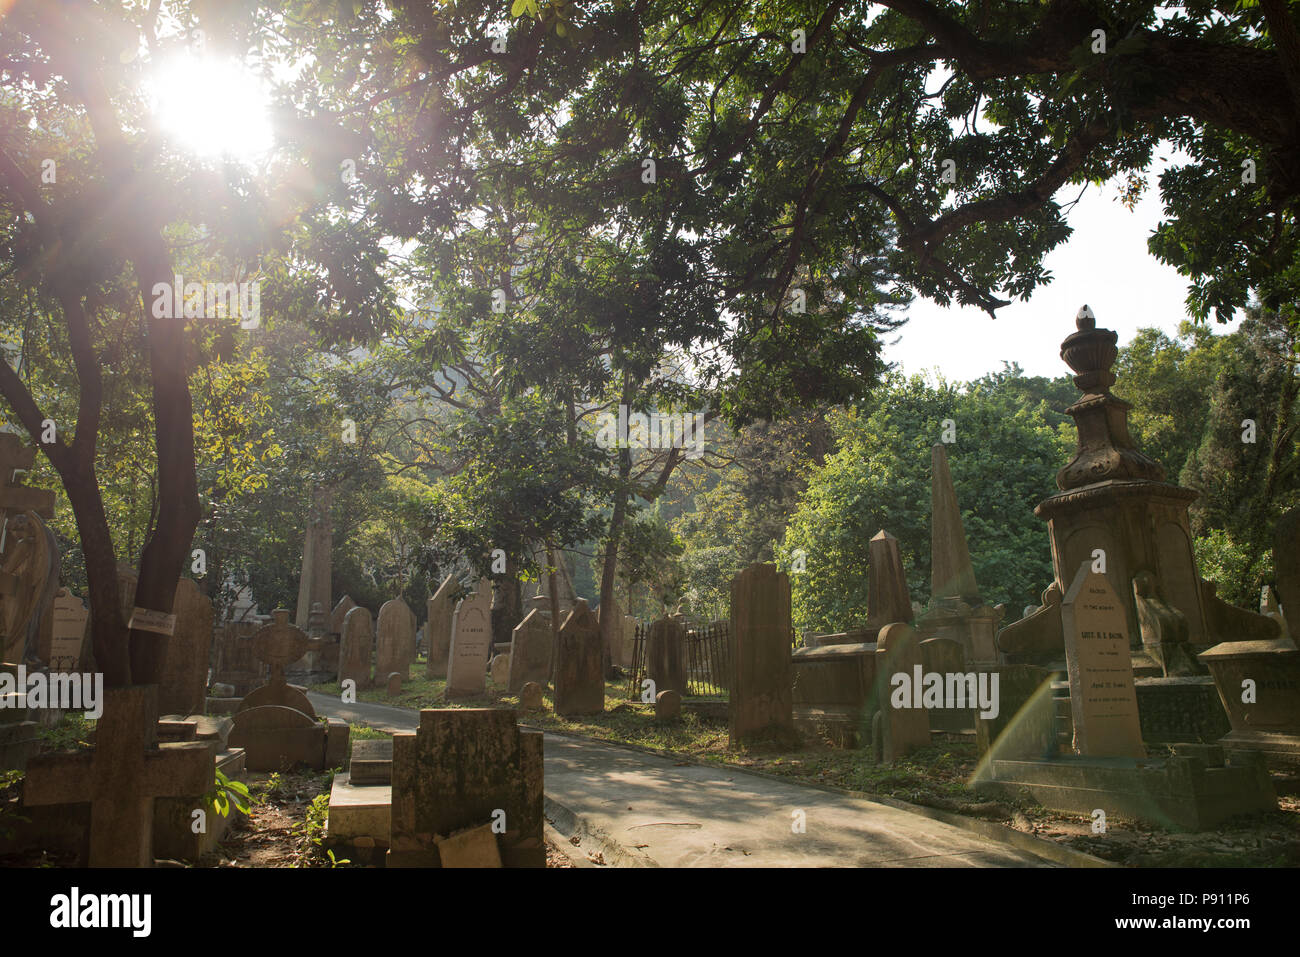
{"x": 1269, "y": 608}
{"x": 68, "y": 633}
{"x": 668, "y": 705}
{"x": 899, "y": 730}
{"x": 471, "y": 641}
{"x": 500, "y": 670}
{"x": 945, "y": 656}
{"x": 531, "y": 644}
{"x": 466, "y": 768}
{"x": 394, "y": 638}
{"x": 183, "y": 687}
{"x": 530, "y": 696}
{"x": 761, "y": 680}
{"x": 579, "y": 664}
{"x": 666, "y": 655}
{"x": 121, "y": 778}
{"x": 340, "y": 612}
{"x": 1259, "y": 685}
{"x": 437, "y": 630}
{"x": 29, "y": 578}
{"x": 1103, "y": 699}
{"x": 354, "y": 648}
{"x": 888, "y": 599}
{"x": 394, "y": 684}
{"x": 276, "y": 724}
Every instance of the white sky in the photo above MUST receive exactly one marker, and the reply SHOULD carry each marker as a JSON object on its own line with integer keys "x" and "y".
{"x": 1104, "y": 263}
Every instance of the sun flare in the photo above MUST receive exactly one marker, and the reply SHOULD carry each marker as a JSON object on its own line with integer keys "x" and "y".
{"x": 212, "y": 108}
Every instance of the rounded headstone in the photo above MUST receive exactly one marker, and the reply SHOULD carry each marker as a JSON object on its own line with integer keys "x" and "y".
{"x": 220, "y": 690}
{"x": 394, "y": 684}
{"x": 501, "y": 670}
{"x": 530, "y": 696}
{"x": 668, "y": 705}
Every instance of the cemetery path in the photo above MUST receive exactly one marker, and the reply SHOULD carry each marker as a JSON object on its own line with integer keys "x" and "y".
{"x": 643, "y": 809}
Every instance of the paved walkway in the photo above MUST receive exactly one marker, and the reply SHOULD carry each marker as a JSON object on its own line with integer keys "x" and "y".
{"x": 639, "y": 808}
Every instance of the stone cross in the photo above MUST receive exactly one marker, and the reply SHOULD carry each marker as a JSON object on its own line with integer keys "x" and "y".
{"x": 121, "y": 777}
{"x": 280, "y": 644}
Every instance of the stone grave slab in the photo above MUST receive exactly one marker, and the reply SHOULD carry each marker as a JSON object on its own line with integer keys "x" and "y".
{"x": 531, "y": 646}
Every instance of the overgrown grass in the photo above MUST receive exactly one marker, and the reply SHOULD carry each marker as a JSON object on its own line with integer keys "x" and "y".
{"x": 72, "y": 733}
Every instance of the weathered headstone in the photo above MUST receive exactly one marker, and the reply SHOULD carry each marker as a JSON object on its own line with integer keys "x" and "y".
{"x": 437, "y": 630}
{"x": 471, "y": 641}
{"x": 666, "y": 655}
{"x": 1103, "y": 699}
{"x": 340, "y": 612}
{"x": 530, "y": 696}
{"x": 903, "y": 726}
{"x": 354, "y": 651}
{"x": 394, "y": 638}
{"x": 500, "y": 671}
{"x": 668, "y": 705}
{"x": 276, "y": 724}
{"x": 531, "y": 645}
{"x": 762, "y": 698}
{"x": 466, "y": 768}
{"x": 394, "y": 684}
{"x": 579, "y": 671}
{"x": 1164, "y": 631}
{"x": 68, "y": 632}
{"x": 183, "y": 688}
{"x": 944, "y": 656}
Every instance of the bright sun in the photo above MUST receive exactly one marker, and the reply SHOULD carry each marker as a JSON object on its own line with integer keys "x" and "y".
{"x": 212, "y": 108}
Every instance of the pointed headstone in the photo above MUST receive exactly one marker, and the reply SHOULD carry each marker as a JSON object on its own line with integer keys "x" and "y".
{"x": 340, "y": 612}
{"x": 183, "y": 688}
{"x": 530, "y": 652}
{"x": 887, "y": 596}
{"x": 437, "y": 629}
{"x": 1103, "y": 697}
{"x": 951, "y": 573}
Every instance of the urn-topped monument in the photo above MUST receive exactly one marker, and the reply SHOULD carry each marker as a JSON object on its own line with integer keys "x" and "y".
{"x": 1115, "y": 508}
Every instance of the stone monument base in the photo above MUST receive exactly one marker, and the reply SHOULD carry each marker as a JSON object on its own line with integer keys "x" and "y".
{"x": 1193, "y": 791}
{"x": 1281, "y": 751}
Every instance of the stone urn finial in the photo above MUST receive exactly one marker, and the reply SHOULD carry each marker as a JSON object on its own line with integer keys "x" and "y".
{"x": 1091, "y": 352}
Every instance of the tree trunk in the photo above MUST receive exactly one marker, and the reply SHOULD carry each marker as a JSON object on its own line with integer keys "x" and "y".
{"x": 609, "y": 567}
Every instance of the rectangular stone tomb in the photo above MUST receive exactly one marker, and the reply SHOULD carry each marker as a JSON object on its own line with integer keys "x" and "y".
{"x": 833, "y": 687}
{"x": 372, "y": 761}
{"x": 1194, "y": 790}
{"x": 173, "y": 817}
{"x": 1259, "y": 685}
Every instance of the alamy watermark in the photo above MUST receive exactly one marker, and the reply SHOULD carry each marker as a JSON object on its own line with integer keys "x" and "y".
{"x": 944, "y": 691}
{"x": 66, "y": 692}
{"x": 209, "y": 300}
{"x": 654, "y": 430}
